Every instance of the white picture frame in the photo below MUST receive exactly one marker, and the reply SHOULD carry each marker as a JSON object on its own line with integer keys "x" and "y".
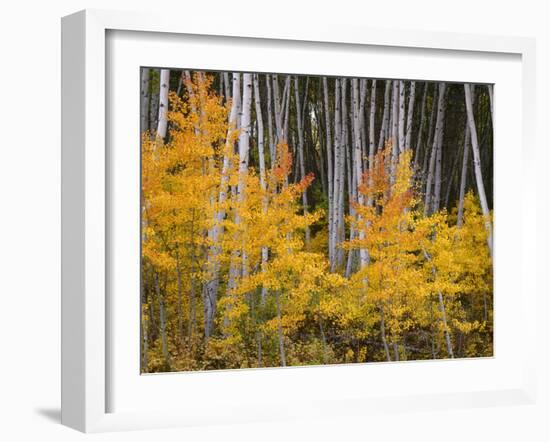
{"x": 87, "y": 357}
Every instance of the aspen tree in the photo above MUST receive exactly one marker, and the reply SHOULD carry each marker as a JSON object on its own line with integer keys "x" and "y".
{"x": 401, "y": 116}
{"x": 261, "y": 157}
{"x": 410, "y": 114}
{"x": 239, "y": 258}
{"x": 385, "y": 115}
{"x": 330, "y": 170}
{"x": 421, "y": 127}
{"x": 210, "y": 290}
{"x": 372, "y": 113}
{"x": 301, "y": 147}
{"x": 145, "y": 95}
{"x": 463, "y": 175}
{"x": 437, "y": 140}
{"x": 395, "y": 130}
{"x": 363, "y": 253}
{"x": 338, "y": 174}
{"x": 477, "y": 166}
{"x": 163, "y": 103}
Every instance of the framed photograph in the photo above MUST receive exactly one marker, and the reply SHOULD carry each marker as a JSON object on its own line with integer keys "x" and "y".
{"x": 248, "y": 216}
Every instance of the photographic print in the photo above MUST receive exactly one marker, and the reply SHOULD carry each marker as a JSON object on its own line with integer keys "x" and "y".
{"x": 295, "y": 220}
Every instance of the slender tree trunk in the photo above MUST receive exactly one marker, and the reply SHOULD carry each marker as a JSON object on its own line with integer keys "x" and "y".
{"x": 438, "y": 165}
{"x": 144, "y": 112}
{"x": 477, "y": 167}
{"x": 154, "y": 101}
{"x": 261, "y": 159}
{"x": 363, "y": 122}
{"x": 401, "y": 129}
{"x": 239, "y": 267}
{"x": 372, "y": 113}
{"x": 395, "y": 130}
{"x": 352, "y": 198}
{"x": 272, "y": 152}
{"x": 435, "y": 147}
{"x": 363, "y": 253}
{"x": 344, "y": 147}
{"x": 436, "y": 201}
{"x": 301, "y": 150}
{"x": 410, "y": 114}
{"x": 385, "y": 115}
{"x": 421, "y": 128}
{"x": 338, "y": 179}
{"x": 463, "y": 176}
{"x": 281, "y": 108}
{"x": 330, "y": 169}
{"x": 372, "y": 147}
{"x": 286, "y": 107}
{"x": 490, "y": 89}
{"x": 163, "y": 103}
{"x": 210, "y": 290}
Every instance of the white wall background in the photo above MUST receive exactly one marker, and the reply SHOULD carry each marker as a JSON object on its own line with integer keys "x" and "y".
{"x": 30, "y": 216}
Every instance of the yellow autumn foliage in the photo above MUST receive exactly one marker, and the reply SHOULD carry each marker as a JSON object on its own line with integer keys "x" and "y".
{"x": 424, "y": 277}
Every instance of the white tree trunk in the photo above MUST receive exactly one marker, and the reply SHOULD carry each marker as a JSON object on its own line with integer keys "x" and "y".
{"x": 401, "y": 116}
{"x": 260, "y": 123}
{"x": 437, "y": 185}
{"x": 210, "y": 290}
{"x": 410, "y": 113}
{"x": 338, "y": 178}
{"x": 286, "y": 100}
{"x": 272, "y": 149}
{"x": 239, "y": 260}
{"x": 363, "y": 122}
{"x": 385, "y": 116}
{"x": 372, "y": 112}
{"x": 261, "y": 160}
{"x": 395, "y": 130}
{"x": 244, "y": 141}
{"x": 477, "y": 167}
{"x": 344, "y": 149}
{"x": 281, "y": 108}
{"x": 357, "y": 162}
{"x": 301, "y": 149}
{"x": 330, "y": 169}
{"x": 163, "y": 103}
{"x": 428, "y": 201}
{"x": 463, "y": 175}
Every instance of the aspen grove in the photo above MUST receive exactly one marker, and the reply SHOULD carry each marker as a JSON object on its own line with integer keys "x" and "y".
{"x": 302, "y": 220}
